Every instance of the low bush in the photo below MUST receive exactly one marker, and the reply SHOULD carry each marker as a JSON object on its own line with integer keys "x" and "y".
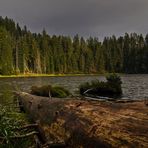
{"x": 110, "y": 88}
{"x": 41, "y": 91}
{"x": 59, "y": 92}
{"x": 45, "y": 90}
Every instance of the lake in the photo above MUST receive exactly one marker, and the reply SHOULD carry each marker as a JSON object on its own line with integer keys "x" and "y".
{"x": 134, "y": 86}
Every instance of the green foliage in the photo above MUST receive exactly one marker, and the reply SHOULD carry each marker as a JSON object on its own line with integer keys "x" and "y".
{"x": 59, "y": 92}
{"x": 111, "y": 88}
{"x": 41, "y": 91}
{"x": 113, "y": 78}
{"x": 45, "y": 90}
{"x": 24, "y": 52}
{"x": 10, "y": 121}
{"x": 6, "y": 59}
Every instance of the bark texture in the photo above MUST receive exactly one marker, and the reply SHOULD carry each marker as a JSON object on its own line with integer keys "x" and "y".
{"x": 83, "y": 123}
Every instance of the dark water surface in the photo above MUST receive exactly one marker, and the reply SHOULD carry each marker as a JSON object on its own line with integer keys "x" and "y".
{"x": 134, "y": 86}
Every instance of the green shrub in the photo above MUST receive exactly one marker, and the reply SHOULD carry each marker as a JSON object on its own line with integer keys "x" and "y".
{"x": 114, "y": 79}
{"x": 41, "y": 91}
{"x": 115, "y": 82}
{"x": 110, "y": 88}
{"x": 58, "y": 91}
{"x": 55, "y": 91}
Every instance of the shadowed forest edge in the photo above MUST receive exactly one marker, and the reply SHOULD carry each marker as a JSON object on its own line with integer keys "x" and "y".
{"x": 23, "y": 52}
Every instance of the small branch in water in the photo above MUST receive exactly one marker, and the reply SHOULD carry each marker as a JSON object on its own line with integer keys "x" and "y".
{"x": 49, "y": 95}
{"x": 88, "y": 90}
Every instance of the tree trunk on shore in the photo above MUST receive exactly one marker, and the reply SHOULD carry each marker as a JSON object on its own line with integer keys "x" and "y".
{"x": 81, "y": 123}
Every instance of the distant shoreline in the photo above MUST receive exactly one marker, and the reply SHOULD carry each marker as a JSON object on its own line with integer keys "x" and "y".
{"x": 60, "y": 75}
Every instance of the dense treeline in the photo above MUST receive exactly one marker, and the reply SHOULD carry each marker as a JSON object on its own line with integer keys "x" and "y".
{"x": 24, "y": 52}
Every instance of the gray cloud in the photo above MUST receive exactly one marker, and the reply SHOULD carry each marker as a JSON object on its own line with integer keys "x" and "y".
{"x": 85, "y": 17}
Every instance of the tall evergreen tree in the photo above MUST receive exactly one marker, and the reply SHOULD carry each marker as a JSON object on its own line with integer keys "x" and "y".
{"x": 24, "y": 52}
{"x": 6, "y": 59}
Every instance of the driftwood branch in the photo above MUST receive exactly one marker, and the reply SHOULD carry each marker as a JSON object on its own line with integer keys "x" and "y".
{"x": 27, "y": 126}
{"x": 88, "y": 91}
{"x": 20, "y": 136}
{"x": 49, "y": 94}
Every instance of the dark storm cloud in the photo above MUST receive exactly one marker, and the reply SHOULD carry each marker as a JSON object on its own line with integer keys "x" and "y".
{"x": 85, "y": 17}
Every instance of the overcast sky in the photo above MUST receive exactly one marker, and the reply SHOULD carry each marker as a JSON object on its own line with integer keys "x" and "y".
{"x": 84, "y": 17}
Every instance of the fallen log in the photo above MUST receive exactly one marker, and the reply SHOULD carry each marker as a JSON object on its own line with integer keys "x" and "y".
{"x": 81, "y": 123}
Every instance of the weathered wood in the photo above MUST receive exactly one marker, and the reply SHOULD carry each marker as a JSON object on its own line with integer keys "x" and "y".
{"x": 20, "y": 136}
{"x": 89, "y": 123}
{"x": 27, "y": 126}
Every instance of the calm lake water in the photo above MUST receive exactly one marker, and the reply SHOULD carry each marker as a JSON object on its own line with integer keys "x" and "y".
{"x": 134, "y": 86}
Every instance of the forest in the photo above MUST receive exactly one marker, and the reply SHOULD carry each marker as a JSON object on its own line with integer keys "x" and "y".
{"x": 23, "y": 52}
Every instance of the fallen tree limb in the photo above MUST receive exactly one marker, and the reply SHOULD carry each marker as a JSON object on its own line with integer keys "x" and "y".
{"x": 88, "y": 123}
{"x": 27, "y": 126}
{"x": 20, "y": 136}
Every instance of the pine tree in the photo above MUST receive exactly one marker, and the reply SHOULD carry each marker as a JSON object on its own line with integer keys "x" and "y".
{"x": 6, "y": 59}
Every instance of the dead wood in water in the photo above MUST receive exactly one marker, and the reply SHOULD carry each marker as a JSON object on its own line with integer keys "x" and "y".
{"x": 81, "y": 123}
